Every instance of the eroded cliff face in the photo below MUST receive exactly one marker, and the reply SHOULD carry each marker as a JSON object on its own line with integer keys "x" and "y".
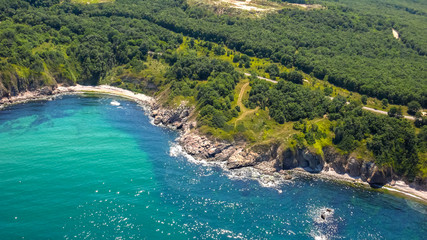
{"x": 357, "y": 168}
{"x": 302, "y": 158}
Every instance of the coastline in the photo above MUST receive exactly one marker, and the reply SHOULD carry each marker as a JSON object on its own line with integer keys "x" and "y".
{"x": 231, "y": 161}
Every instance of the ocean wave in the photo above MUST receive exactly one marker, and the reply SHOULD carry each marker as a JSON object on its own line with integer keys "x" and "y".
{"x": 326, "y": 227}
{"x": 176, "y": 150}
{"x": 275, "y": 181}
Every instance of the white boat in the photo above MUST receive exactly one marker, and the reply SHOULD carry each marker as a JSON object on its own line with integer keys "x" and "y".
{"x": 115, "y": 103}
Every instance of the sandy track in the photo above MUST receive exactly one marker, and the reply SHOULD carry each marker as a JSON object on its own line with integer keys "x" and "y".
{"x": 242, "y": 92}
{"x": 262, "y": 78}
{"x": 386, "y": 113}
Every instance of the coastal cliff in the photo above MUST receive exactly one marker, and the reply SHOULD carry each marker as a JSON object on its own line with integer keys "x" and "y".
{"x": 273, "y": 157}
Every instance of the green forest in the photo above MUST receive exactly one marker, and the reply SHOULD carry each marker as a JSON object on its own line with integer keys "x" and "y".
{"x": 194, "y": 54}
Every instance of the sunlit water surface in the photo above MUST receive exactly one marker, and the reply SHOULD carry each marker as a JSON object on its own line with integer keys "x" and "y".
{"x": 82, "y": 168}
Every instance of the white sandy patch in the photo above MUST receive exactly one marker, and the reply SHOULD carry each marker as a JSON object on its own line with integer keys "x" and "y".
{"x": 256, "y": 5}
{"x": 244, "y": 5}
{"x": 402, "y": 187}
{"x": 306, "y": 6}
{"x": 395, "y": 33}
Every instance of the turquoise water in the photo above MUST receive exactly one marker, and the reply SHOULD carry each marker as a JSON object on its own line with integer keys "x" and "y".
{"x": 80, "y": 168}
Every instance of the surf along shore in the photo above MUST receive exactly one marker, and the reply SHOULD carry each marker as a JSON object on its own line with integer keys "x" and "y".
{"x": 162, "y": 116}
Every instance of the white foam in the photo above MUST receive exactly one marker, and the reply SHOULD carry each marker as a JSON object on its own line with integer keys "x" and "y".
{"x": 176, "y": 150}
{"x": 320, "y": 237}
{"x": 247, "y": 173}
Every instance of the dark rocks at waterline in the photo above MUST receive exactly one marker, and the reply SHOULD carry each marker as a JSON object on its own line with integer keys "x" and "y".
{"x": 48, "y": 90}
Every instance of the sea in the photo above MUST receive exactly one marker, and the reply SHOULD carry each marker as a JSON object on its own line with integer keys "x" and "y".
{"x": 94, "y": 167}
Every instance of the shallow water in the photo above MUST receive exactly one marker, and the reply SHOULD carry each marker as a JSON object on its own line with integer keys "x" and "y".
{"x": 83, "y": 168}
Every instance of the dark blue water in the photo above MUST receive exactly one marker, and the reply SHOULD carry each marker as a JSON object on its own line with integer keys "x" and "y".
{"x": 80, "y": 168}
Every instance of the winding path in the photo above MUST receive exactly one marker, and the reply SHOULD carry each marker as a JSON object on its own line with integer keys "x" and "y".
{"x": 242, "y": 107}
{"x": 365, "y": 108}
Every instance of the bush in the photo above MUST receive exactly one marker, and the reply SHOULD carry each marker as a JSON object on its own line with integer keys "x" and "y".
{"x": 413, "y": 107}
{"x": 364, "y": 99}
{"x": 385, "y": 103}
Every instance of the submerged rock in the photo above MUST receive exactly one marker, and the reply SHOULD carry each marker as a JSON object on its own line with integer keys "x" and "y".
{"x": 326, "y": 213}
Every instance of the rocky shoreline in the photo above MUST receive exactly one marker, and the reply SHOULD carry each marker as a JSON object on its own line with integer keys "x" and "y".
{"x": 272, "y": 159}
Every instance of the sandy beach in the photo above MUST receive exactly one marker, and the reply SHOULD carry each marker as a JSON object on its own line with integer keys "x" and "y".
{"x": 105, "y": 89}
{"x": 62, "y": 90}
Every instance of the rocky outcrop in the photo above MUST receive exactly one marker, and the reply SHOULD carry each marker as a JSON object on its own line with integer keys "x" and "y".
{"x": 377, "y": 177}
{"x": 354, "y": 167}
{"x": 174, "y": 118}
{"x": 269, "y": 158}
{"x": 203, "y": 148}
{"x": 264, "y": 157}
{"x": 13, "y": 84}
{"x": 335, "y": 161}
